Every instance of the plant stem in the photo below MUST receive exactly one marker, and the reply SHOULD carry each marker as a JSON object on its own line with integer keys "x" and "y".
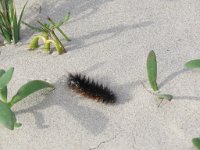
{"x": 10, "y": 104}
{"x": 44, "y": 27}
{"x": 34, "y": 43}
{"x": 65, "y": 36}
{"x": 46, "y": 44}
{"x": 57, "y": 39}
{"x": 4, "y": 100}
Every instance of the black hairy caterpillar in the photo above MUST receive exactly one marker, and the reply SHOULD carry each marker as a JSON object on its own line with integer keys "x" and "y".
{"x": 90, "y": 89}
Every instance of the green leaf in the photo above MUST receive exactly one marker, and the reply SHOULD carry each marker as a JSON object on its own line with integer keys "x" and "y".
{"x": 152, "y": 70}
{"x": 7, "y": 117}
{"x": 17, "y": 125}
{"x": 165, "y": 96}
{"x": 193, "y": 64}
{"x": 6, "y": 77}
{"x": 18, "y": 26}
{"x": 1, "y": 72}
{"x": 3, "y": 94}
{"x": 28, "y": 89}
{"x": 196, "y": 142}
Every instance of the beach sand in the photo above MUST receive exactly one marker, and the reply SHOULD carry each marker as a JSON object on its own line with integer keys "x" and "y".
{"x": 110, "y": 43}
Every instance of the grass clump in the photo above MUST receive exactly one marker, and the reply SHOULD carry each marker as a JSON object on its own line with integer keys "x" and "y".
{"x": 48, "y": 35}
{"x": 9, "y": 23}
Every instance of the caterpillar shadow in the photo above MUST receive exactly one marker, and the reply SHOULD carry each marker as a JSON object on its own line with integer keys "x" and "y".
{"x": 124, "y": 92}
{"x": 91, "y": 119}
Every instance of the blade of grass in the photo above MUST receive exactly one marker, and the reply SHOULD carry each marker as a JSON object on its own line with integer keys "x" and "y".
{"x": 7, "y": 36}
{"x": 33, "y": 28}
{"x": 57, "y": 40}
{"x": 58, "y": 27}
{"x": 14, "y": 25}
{"x": 9, "y": 25}
{"x": 45, "y": 27}
{"x": 5, "y": 22}
{"x": 19, "y": 21}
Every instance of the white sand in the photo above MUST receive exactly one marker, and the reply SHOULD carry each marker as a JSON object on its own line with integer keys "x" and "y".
{"x": 110, "y": 42}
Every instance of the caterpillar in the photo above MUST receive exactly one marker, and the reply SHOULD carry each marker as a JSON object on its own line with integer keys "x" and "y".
{"x": 89, "y": 88}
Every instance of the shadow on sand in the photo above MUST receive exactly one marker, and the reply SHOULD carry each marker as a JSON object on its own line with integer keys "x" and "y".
{"x": 171, "y": 77}
{"x": 77, "y": 9}
{"x": 92, "y": 120}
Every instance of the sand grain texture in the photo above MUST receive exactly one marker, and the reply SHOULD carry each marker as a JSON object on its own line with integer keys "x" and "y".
{"x": 110, "y": 42}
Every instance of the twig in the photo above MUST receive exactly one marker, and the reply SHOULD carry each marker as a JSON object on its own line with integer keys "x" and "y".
{"x": 103, "y": 143}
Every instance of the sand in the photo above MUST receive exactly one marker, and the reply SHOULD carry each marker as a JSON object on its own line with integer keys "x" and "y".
{"x": 110, "y": 43}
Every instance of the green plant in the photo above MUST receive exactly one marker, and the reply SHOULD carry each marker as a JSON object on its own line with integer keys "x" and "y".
{"x": 152, "y": 77}
{"x": 193, "y": 64}
{"x": 196, "y": 143}
{"x": 7, "y": 116}
{"x": 48, "y": 35}
{"x": 152, "y": 70}
{"x": 9, "y": 24}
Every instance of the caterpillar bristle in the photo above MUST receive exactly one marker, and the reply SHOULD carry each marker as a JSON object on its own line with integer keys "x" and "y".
{"x": 90, "y": 89}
